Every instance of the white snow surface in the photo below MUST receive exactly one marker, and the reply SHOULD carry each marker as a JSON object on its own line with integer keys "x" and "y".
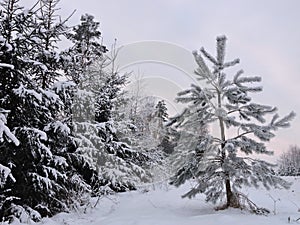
{"x": 163, "y": 205}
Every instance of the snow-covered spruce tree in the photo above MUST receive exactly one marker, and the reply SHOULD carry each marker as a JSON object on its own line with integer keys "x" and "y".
{"x": 161, "y": 111}
{"x": 5, "y": 172}
{"x": 46, "y": 177}
{"x": 14, "y": 86}
{"x": 49, "y": 29}
{"x": 45, "y": 36}
{"x": 222, "y": 164}
{"x": 115, "y": 161}
{"x": 160, "y": 116}
{"x": 97, "y": 91}
{"x": 169, "y": 140}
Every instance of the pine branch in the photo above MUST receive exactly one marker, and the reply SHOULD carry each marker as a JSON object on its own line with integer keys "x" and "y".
{"x": 204, "y": 71}
{"x": 209, "y": 57}
{"x": 221, "y": 45}
{"x": 284, "y": 122}
{"x": 241, "y": 135}
{"x": 232, "y": 63}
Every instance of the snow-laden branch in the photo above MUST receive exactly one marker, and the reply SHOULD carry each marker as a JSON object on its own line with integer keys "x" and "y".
{"x": 6, "y": 65}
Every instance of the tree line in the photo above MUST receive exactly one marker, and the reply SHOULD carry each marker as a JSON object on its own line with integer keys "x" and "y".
{"x": 63, "y": 136}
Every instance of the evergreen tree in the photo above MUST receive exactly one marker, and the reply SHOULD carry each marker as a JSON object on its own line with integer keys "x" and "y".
{"x": 217, "y": 163}
{"x": 45, "y": 36}
{"x": 44, "y": 163}
{"x": 161, "y": 111}
{"x": 5, "y": 172}
{"x": 115, "y": 161}
{"x": 86, "y": 50}
{"x": 169, "y": 140}
{"x": 160, "y": 116}
{"x": 96, "y": 94}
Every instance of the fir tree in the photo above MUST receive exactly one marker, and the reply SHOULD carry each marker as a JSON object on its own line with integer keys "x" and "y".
{"x": 222, "y": 164}
{"x": 169, "y": 140}
{"x": 160, "y": 116}
{"x": 45, "y": 36}
{"x": 44, "y": 163}
{"x": 95, "y": 125}
{"x": 161, "y": 111}
{"x": 5, "y": 172}
{"x": 96, "y": 94}
{"x": 87, "y": 47}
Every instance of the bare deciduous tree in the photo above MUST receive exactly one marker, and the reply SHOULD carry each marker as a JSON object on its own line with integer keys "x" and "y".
{"x": 289, "y": 162}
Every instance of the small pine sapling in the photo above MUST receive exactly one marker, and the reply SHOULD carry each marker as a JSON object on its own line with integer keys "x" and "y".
{"x": 221, "y": 164}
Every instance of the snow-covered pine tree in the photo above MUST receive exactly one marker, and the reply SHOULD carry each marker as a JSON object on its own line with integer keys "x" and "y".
{"x": 87, "y": 47}
{"x": 221, "y": 165}
{"x": 42, "y": 164}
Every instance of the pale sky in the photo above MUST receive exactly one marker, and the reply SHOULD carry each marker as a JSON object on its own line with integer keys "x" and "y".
{"x": 265, "y": 35}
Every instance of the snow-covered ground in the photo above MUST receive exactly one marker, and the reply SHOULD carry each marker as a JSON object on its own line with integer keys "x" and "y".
{"x": 163, "y": 205}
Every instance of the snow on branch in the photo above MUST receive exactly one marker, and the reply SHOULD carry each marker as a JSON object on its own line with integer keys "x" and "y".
{"x": 202, "y": 70}
{"x": 231, "y": 63}
{"x": 5, "y": 172}
{"x": 209, "y": 56}
{"x": 24, "y": 92}
{"x": 7, "y": 65}
{"x": 221, "y": 45}
{"x": 284, "y": 122}
{"x": 5, "y": 132}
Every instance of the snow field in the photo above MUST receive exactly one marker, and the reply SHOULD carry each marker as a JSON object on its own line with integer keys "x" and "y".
{"x": 164, "y": 206}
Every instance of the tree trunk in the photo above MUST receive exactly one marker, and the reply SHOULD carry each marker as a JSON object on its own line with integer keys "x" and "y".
{"x": 228, "y": 193}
